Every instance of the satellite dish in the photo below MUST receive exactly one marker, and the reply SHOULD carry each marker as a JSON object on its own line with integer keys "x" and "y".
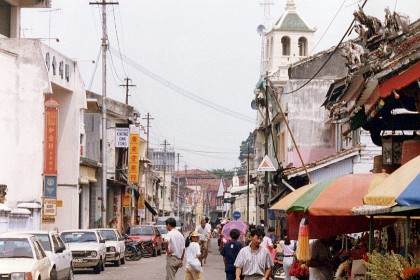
{"x": 254, "y": 105}
{"x": 260, "y": 29}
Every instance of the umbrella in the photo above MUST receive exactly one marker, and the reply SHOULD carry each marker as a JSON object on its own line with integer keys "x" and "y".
{"x": 327, "y": 205}
{"x": 303, "y": 241}
{"x": 283, "y": 204}
{"x": 402, "y": 187}
{"x": 239, "y": 225}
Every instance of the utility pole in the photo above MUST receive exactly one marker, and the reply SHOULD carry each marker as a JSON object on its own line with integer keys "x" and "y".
{"x": 104, "y": 136}
{"x": 177, "y": 192}
{"x": 267, "y": 131}
{"x": 247, "y": 174}
{"x": 165, "y": 143}
{"x": 126, "y": 89}
{"x": 147, "y": 118}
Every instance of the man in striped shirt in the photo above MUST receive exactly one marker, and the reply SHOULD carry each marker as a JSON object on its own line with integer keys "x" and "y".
{"x": 254, "y": 261}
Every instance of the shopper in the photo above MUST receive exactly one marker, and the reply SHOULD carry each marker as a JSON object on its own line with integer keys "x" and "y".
{"x": 229, "y": 252}
{"x": 193, "y": 269}
{"x": 289, "y": 248}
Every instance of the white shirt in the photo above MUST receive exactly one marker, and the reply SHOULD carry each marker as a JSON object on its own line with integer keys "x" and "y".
{"x": 266, "y": 242}
{"x": 253, "y": 262}
{"x": 176, "y": 243}
{"x": 288, "y": 250}
{"x": 204, "y": 233}
{"x": 191, "y": 252}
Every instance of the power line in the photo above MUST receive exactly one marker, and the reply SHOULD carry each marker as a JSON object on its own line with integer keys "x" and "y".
{"x": 182, "y": 91}
{"x": 328, "y": 59}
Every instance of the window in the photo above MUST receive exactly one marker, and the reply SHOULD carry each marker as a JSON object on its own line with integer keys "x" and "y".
{"x": 303, "y": 46}
{"x": 285, "y": 42}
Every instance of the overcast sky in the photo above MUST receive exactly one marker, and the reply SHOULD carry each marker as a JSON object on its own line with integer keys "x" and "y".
{"x": 209, "y": 49}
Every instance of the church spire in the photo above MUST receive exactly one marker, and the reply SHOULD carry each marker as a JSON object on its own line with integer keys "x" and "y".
{"x": 290, "y": 5}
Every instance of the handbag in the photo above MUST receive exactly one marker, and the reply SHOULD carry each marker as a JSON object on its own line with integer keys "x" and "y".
{"x": 195, "y": 264}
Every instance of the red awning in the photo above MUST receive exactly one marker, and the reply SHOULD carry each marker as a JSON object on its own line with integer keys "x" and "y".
{"x": 400, "y": 81}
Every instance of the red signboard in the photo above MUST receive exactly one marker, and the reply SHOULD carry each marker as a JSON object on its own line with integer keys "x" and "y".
{"x": 51, "y": 131}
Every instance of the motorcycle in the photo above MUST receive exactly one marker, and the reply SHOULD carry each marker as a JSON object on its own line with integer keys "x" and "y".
{"x": 132, "y": 251}
{"x": 277, "y": 272}
{"x": 146, "y": 247}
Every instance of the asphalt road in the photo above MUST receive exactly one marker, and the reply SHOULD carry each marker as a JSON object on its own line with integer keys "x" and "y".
{"x": 154, "y": 269}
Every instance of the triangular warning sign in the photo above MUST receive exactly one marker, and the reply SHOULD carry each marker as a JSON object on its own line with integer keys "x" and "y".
{"x": 266, "y": 165}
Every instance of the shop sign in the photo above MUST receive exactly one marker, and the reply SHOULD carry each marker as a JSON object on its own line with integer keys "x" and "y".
{"x": 50, "y": 186}
{"x": 126, "y": 200}
{"x": 48, "y": 219}
{"x": 133, "y": 159}
{"x": 141, "y": 204}
{"x": 51, "y": 128}
{"x": 122, "y": 137}
{"x": 141, "y": 213}
{"x": 50, "y": 207}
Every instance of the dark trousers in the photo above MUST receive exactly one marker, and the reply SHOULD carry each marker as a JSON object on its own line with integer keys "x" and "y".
{"x": 230, "y": 276}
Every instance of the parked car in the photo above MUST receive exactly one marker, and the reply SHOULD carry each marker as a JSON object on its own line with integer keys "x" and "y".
{"x": 22, "y": 257}
{"x": 87, "y": 247}
{"x": 146, "y": 233}
{"x": 160, "y": 221}
{"x": 115, "y": 245}
{"x": 60, "y": 256}
{"x": 163, "y": 232}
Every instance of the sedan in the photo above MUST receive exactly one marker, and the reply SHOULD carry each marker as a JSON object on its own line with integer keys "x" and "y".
{"x": 22, "y": 257}
{"x": 60, "y": 256}
{"x": 115, "y": 245}
{"x": 146, "y": 233}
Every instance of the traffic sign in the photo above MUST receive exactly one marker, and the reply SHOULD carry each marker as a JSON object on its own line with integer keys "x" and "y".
{"x": 236, "y": 215}
{"x": 266, "y": 165}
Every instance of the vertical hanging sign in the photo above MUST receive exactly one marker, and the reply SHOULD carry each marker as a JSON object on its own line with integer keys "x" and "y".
{"x": 50, "y": 161}
{"x": 133, "y": 159}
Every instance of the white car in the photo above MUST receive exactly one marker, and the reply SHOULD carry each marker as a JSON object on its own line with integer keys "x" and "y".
{"x": 163, "y": 232}
{"x": 115, "y": 245}
{"x": 60, "y": 256}
{"x": 87, "y": 247}
{"x": 22, "y": 257}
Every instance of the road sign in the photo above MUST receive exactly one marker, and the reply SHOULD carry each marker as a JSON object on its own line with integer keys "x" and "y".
{"x": 236, "y": 215}
{"x": 266, "y": 165}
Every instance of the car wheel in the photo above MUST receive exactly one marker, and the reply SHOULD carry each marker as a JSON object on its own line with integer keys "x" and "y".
{"x": 97, "y": 269}
{"x": 123, "y": 259}
{"x": 53, "y": 274}
{"x": 118, "y": 261}
{"x": 278, "y": 272}
{"x": 71, "y": 274}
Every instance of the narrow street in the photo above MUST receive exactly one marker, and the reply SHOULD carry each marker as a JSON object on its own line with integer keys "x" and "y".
{"x": 154, "y": 268}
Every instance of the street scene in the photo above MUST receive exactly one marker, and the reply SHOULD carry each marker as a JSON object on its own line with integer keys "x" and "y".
{"x": 259, "y": 139}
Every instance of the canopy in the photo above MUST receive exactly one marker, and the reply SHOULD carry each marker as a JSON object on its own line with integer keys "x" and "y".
{"x": 327, "y": 205}
{"x": 402, "y": 187}
{"x": 283, "y": 204}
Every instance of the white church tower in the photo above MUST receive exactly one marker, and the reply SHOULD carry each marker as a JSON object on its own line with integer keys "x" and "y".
{"x": 289, "y": 41}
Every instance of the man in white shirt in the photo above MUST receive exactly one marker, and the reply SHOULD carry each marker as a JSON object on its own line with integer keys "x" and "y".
{"x": 204, "y": 238}
{"x": 175, "y": 248}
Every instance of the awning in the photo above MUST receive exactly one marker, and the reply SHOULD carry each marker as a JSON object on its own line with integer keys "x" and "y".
{"x": 150, "y": 208}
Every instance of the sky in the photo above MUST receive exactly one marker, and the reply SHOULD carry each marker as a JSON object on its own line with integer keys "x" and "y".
{"x": 206, "y": 49}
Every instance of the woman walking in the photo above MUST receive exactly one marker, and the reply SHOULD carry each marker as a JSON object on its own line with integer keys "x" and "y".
{"x": 193, "y": 256}
{"x": 289, "y": 249}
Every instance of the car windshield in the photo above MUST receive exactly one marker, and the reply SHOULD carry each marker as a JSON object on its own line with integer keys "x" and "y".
{"x": 15, "y": 248}
{"x": 78, "y": 237}
{"x": 108, "y": 235}
{"x": 44, "y": 239}
{"x": 162, "y": 230}
{"x": 140, "y": 231}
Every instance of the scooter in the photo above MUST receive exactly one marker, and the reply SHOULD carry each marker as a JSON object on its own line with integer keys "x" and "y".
{"x": 277, "y": 272}
{"x": 132, "y": 252}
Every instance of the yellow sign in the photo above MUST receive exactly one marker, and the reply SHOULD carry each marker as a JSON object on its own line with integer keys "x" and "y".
{"x": 133, "y": 159}
{"x": 48, "y": 219}
{"x": 126, "y": 200}
{"x": 59, "y": 203}
{"x": 140, "y": 204}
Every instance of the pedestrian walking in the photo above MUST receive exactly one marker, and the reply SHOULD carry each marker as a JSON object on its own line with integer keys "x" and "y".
{"x": 289, "y": 248}
{"x": 204, "y": 237}
{"x": 254, "y": 261}
{"x": 193, "y": 256}
{"x": 248, "y": 234}
{"x": 175, "y": 249}
{"x": 229, "y": 252}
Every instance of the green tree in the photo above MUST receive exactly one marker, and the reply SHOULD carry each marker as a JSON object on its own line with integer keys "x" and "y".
{"x": 222, "y": 173}
{"x": 249, "y": 142}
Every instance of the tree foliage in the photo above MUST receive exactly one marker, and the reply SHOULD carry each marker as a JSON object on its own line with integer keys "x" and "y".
{"x": 246, "y": 147}
{"x": 222, "y": 173}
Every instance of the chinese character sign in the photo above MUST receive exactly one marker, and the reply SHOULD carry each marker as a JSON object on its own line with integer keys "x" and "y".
{"x": 51, "y": 132}
{"x": 133, "y": 159}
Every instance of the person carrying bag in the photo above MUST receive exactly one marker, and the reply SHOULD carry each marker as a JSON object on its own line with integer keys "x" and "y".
{"x": 193, "y": 256}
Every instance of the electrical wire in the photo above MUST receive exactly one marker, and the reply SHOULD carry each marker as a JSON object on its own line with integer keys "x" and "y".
{"x": 96, "y": 68}
{"x": 118, "y": 41}
{"x": 328, "y": 59}
{"x": 184, "y": 92}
